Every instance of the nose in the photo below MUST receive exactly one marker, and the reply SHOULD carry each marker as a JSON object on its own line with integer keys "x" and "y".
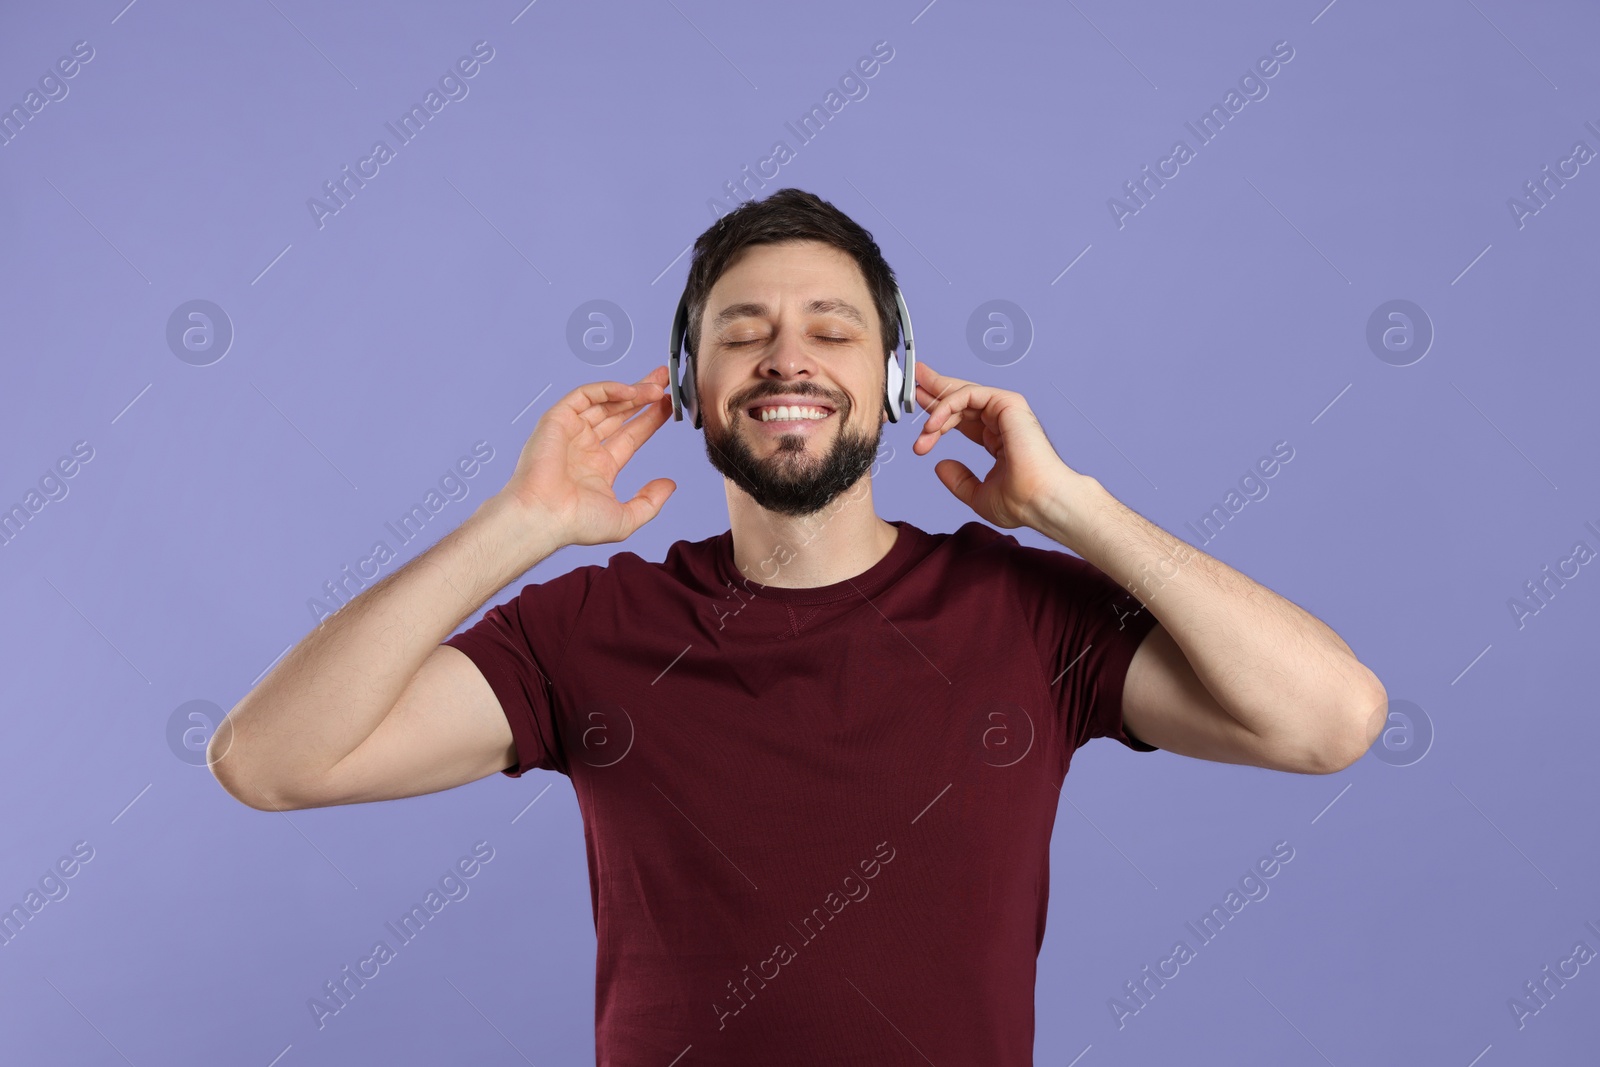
{"x": 787, "y": 359}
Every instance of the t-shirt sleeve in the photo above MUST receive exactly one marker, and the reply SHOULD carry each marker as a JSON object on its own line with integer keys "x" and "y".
{"x": 1086, "y": 628}
{"x": 519, "y": 648}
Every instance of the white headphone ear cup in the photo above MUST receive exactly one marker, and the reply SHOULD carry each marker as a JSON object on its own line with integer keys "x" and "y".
{"x": 893, "y": 382}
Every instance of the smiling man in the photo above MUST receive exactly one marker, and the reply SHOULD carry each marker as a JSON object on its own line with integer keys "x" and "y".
{"x": 791, "y": 444}
{"x": 818, "y": 755}
{"x": 790, "y": 388}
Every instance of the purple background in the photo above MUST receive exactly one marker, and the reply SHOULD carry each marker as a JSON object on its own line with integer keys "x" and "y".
{"x": 1228, "y": 314}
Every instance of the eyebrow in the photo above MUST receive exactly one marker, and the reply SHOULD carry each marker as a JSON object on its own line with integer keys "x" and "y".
{"x": 817, "y": 307}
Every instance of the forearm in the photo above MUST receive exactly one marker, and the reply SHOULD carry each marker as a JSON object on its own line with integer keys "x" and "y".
{"x": 333, "y": 689}
{"x": 1274, "y": 667}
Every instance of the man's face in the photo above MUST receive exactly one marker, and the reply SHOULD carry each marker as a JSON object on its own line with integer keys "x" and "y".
{"x": 791, "y": 325}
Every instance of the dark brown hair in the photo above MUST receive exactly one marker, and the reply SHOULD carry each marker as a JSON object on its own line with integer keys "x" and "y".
{"x": 788, "y": 215}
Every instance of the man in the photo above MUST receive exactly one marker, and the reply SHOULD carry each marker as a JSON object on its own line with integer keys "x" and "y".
{"x": 819, "y": 755}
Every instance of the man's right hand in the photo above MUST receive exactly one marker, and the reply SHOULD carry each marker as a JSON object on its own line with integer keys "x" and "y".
{"x": 371, "y": 705}
{"x": 565, "y": 477}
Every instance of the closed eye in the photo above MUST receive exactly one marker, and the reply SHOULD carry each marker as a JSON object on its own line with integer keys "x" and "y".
{"x": 736, "y": 344}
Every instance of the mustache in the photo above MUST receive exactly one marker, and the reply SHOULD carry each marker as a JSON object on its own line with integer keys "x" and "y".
{"x": 837, "y": 403}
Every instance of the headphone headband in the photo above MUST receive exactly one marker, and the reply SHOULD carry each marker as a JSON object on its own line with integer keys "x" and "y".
{"x": 900, "y": 382}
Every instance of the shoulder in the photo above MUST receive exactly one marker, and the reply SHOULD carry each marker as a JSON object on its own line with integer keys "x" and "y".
{"x": 687, "y": 563}
{"x": 976, "y": 555}
{"x": 977, "y": 544}
{"x": 1037, "y": 575}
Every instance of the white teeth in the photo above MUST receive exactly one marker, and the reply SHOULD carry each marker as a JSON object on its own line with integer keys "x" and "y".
{"x": 772, "y": 414}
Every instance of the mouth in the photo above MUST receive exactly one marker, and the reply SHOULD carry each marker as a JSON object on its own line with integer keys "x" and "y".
{"x": 790, "y": 417}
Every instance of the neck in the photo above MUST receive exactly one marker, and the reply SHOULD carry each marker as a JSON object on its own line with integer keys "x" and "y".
{"x": 840, "y": 541}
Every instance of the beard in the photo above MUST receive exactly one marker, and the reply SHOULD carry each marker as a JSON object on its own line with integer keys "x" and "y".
{"x": 794, "y": 480}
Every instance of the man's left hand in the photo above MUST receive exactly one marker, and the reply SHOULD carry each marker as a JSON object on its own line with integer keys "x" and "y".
{"x": 1026, "y": 466}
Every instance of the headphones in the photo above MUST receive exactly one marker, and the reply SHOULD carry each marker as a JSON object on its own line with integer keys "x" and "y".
{"x": 900, "y": 384}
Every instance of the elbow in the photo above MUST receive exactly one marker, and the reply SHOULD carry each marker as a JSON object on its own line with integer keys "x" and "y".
{"x": 1372, "y": 715}
{"x": 245, "y": 789}
{"x": 250, "y": 793}
{"x": 222, "y": 762}
{"x": 1365, "y": 719}
{"x": 237, "y": 778}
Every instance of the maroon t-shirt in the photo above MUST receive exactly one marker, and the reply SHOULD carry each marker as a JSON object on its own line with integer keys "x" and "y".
{"x": 817, "y": 820}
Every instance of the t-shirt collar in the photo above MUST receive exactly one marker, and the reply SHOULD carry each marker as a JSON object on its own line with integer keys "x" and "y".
{"x": 873, "y": 578}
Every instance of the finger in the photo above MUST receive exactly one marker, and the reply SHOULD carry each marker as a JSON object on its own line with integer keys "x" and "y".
{"x": 959, "y": 479}
{"x": 941, "y": 411}
{"x": 929, "y": 396}
{"x": 935, "y": 382}
{"x": 626, "y": 441}
{"x": 608, "y": 430}
{"x": 933, "y": 401}
{"x": 976, "y": 411}
{"x": 604, "y": 422}
{"x": 605, "y": 418}
{"x": 973, "y": 425}
{"x": 964, "y": 397}
{"x": 605, "y": 429}
{"x": 929, "y": 400}
{"x": 983, "y": 401}
{"x": 592, "y": 393}
{"x": 648, "y": 501}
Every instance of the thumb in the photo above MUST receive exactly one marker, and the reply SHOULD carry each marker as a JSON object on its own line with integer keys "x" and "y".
{"x": 958, "y": 479}
{"x": 648, "y": 501}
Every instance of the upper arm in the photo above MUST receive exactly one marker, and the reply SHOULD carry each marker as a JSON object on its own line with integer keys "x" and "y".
{"x": 1166, "y": 704}
{"x": 446, "y": 729}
